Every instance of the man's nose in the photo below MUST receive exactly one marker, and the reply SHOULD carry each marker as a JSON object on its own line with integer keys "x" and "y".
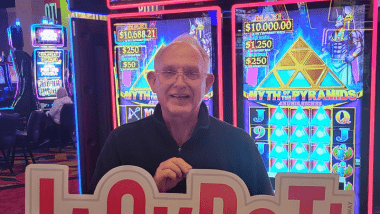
{"x": 180, "y": 80}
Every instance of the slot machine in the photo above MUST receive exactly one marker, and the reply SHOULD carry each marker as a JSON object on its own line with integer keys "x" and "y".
{"x": 50, "y": 61}
{"x": 8, "y": 85}
{"x": 19, "y": 77}
{"x": 133, "y": 39}
{"x": 304, "y": 87}
{"x": 133, "y": 44}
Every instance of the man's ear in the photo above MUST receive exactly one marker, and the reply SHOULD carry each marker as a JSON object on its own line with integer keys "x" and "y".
{"x": 152, "y": 80}
{"x": 209, "y": 81}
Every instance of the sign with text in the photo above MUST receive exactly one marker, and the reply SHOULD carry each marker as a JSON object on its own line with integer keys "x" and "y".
{"x": 130, "y": 189}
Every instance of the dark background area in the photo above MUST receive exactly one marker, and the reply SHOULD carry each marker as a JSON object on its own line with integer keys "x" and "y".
{"x": 7, "y": 3}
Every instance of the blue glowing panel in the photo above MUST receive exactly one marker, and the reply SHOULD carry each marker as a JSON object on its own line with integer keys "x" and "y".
{"x": 300, "y": 81}
{"x": 285, "y": 75}
{"x": 299, "y": 118}
{"x": 279, "y": 118}
{"x": 299, "y": 135}
{"x": 321, "y": 118}
{"x": 299, "y": 152}
{"x": 270, "y": 82}
{"x": 279, "y": 151}
{"x": 330, "y": 81}
{"x": 279, "y": 135}
{"x": 299, "y": 167}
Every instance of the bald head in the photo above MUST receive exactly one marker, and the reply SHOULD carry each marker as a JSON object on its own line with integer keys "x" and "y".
{"x": 185, "y": 46}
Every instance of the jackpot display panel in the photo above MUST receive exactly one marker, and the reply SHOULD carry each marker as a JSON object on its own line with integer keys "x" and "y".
{"x": 135, "y": 42}
{"x": 50, "y": 60}
{"x": 303, "y": 87}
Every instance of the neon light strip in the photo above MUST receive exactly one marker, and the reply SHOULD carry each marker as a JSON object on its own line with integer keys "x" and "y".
{"x": 75, "y": 110}
{"x": 371, "y": 157}
{"x": 18, "y": 75}
{"x": 156, "y": 3}
{"x": 233, "y": 23}
{"x": 178, "y": 11}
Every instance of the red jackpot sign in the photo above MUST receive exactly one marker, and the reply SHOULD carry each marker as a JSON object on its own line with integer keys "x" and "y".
{"x": 130, "y": 188}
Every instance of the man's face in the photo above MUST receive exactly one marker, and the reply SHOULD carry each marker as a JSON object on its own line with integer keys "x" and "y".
{"x": 181, "y": 96}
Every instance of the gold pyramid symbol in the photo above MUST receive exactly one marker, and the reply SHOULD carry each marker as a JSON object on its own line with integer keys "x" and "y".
{"x": 300, "y": 68}
{"x": 144, "y": 73}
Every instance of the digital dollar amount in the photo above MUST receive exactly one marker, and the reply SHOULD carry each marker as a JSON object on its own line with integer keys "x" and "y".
{"x": 256, "y": 61}
{"x": 130, "y": 65}
{"x": 259, "y": 44}
{"x": 131, "y": 50}
{"x": 268, "y": 26}
{"x": 139, "y": 34}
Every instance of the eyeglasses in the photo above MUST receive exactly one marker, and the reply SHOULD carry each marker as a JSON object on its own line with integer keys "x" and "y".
{"x": 190, "y": 77}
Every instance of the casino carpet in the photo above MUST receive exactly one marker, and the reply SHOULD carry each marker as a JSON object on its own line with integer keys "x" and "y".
{"x": 12, "y": 185}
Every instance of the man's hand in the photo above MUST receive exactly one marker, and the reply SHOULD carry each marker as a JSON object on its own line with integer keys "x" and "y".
{"x": 170, "y": 173}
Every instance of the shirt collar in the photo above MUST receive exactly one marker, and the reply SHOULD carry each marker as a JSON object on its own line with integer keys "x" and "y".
{"x": 202, "y": 124}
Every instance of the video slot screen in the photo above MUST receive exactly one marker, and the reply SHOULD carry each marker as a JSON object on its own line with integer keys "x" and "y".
{"x": 304, "y": 77}
{"x": 13, "y": 74}
{"x": 49, "y": 72}
{"x": 48, "y": 35}
{"x": 136, "y": 44}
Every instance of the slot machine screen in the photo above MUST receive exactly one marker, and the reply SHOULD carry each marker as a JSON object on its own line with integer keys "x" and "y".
{"x": 47, "y": 36}
{"x": 13, "y": 74}
{"x": 135, "y": 47}
{"x": 304, "y": 86}
{"x": 49, "y": 75}
{"x": 2, "y": 75}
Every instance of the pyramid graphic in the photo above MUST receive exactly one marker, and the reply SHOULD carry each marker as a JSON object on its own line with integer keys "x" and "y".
{"x": 299, "y": 167}
{"x": 279, "y": 118}
{"x": 320, "y": 153}
{"x": 279, "y": 166}
{"x": 300, "y": 68}
{"x": 299, "y": 152}
{"x": 141, "y": 83}
{"x": 299, "y": 135}
{"x": 279, "y": 151}
{"x": 299, "y": 118}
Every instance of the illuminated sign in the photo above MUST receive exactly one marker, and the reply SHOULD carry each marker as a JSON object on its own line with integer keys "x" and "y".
{"x": 49, "y": 75}
{"x": 48, "y": 35}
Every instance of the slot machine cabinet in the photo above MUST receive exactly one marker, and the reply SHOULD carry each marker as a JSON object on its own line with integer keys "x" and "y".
{"x": 111, "y": 98}
{"x": 132, "y": 57}
{"x": 50, "y": 61}
{"x": 21, "y": 73}
{"x": 7, "y": 86}
{"x": 304, "y": 88}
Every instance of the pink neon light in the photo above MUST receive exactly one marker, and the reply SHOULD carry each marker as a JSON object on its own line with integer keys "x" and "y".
{"x": 371, "y": 157}
{"x": 113, "y": 93}
{"x": 187, "y": 10}
{"x": 160, "y": 3}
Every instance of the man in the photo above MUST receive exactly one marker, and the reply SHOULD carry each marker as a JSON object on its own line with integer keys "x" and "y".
{"x": 180, "y": 135}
